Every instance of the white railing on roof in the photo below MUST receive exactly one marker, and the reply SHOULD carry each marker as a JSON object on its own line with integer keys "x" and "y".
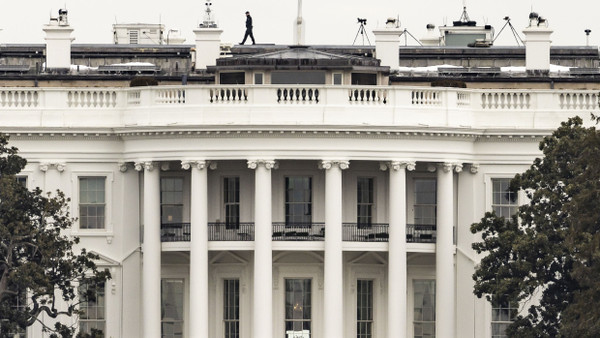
{"x": 292, "y": 105}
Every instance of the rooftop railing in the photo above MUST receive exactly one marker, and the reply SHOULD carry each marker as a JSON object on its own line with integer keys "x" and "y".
{"x": 273, "y": 104}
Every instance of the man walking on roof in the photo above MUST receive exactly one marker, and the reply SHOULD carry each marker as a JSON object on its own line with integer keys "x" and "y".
{"x": 248, "y": 29}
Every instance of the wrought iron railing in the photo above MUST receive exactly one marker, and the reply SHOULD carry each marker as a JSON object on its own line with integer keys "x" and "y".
{"x": 175, "y": 232}
{"x": 420, "y": 233}
{"x": 221, "y": 231}
{"x": 313, "y": 231}
{"x": 358, "y": 232}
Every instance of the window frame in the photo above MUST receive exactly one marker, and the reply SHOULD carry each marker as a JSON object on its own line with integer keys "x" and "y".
{"x": 417, "y": 206}
{"x": 238, "y": 305}
{"x": 333, "y": 82}
{"x": 225, "y": 203}
{"x": 107, "y": 232}
{"x": 511, "y": 204}
{"x": 370, "y": 205}
{"x": 93, "y": 320}
{"x": 184, "y": 309}
{"x": 370, "y": 309}
{"x": 292, "y": 223}
{"x": 414, "y": 321}
{"x": 310, "y": 301}
{"x": 510, "y": 306}
{"x": 181, "y": 205}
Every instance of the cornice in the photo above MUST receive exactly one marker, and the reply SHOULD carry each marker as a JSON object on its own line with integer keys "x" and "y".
{"x": 473, "y": 135}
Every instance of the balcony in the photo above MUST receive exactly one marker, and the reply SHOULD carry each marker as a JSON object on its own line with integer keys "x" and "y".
{"x": 220, "y": 231}
{"x": 334, "y": 105}
{"x": 374, "y": 232}
{"x": 351, "y": 232}
{"x": 378, "y": 232}
{"x": 298, "y": 231}
{"x": 175, "y": 232}
{"x": 420, "y": 233}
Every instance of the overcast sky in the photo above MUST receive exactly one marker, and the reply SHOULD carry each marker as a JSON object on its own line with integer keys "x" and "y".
{"x": 328, "y": 21}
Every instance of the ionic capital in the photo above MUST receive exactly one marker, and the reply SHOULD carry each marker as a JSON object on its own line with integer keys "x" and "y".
{"x": 199, "y": 164}
{"x": 397, "y": 165}
{"x": 458, "y": 167}
{"x": 474, "y": 168}
{"x": 343, "y": 165}
{"x": 446, "y": 167}
{"x": 268, "y": 164}
{"x": 123, "y": 167}
{"x": 144, "y": 165}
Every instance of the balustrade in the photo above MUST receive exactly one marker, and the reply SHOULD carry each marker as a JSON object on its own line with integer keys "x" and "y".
{"x": 579, "y": 101}
{"x": 228, "y": 95}
{"x": 304, "y": 95}
{"x": 505, "y": 100}
{"x": 92, "y": 98}
{"x": 368, "y": 95}
{"x": 426, "y": 97}
{"x": 170, "y": 96}
{"x": 19, "y": 98}
{"x": 221, "y": 231}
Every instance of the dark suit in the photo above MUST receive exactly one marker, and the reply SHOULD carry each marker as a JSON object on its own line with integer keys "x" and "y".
{"x": 248, "y": 30}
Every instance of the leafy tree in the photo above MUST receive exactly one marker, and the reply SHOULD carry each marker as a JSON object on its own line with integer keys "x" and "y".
{"x": 547, "y": 256}
{"x": 37, "y": 261}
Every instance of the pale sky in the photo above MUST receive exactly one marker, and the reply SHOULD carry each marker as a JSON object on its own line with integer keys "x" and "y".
{"x": 327, "y": 21}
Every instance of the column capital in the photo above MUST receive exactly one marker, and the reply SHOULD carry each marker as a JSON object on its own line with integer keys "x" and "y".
{"x": 44, "y": 166}
{"x": 450, "y": 166}
{"x": 59, "y": 166}
{"x": 474, "y": 168}
{"x": 197, "y": 164}
{"x": 268, "y": 164}
{"x": 144, "y": 165}
{"x": 458, "y": 167}
{"x": 397, "y": 165}
{"x": 123, "y": 167}
{"x": 328, "y": 164}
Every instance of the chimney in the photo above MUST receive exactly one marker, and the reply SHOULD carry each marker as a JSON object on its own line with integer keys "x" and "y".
{"x": 432, "y": 38}
{"x": 208, "y": 41}
{"x": 387, "y": 44}
{"x": 58, "y": 42}
{"x": 537, "y": 45}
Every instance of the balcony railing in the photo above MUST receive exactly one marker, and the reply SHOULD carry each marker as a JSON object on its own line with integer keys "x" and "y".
{"x": 374, "y": 232}
{"x": 420, "y": 233}
{"x": 351, "y": 232}
{"x": 219, "y": 231}
{"x": 298, "y": 231}
{"x": 175, "y": 232}
{"x": 378, "y": 232}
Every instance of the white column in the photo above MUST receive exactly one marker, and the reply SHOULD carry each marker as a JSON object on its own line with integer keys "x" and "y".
{"x": 198, "y": 249}
{"x": 397, "y": 265}
{"x": 333, "y": 318}
{"x": 151, "y": 251}
{"x": 263, "y": 255}
{"x": 445, "y": 307}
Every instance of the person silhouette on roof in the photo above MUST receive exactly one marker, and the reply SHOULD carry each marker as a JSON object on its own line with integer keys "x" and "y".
{"x": 248, "y": 29}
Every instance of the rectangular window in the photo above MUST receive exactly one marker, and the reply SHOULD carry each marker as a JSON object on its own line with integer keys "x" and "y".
{"x": 171, "y": 312}
{"x": 364, "y": 308}
{"x": 364, "y": 202}
{"x": 22, "y": 180}
{"x": 18, "y": 303}
{"x": 232, "y": 78}
{"x": 503, "y": 314}
{"x": 92, "y": 202}
{"x": 337, "y": 78}
{"x": 298, "y": 308}
{"x": 231, "y": 202}
{"x": 258, "y": 78}
{"x": 504, "y": 201}
{"x": 425, "y": 201}
{"x": 93, "y": 308}
{"x": 298, "y": 201}
{"x": 231, "y": 308}
{"x": 171, "y": 200}
{"x": 424, "y": 308}
{"x": 296, "y": 77}
{"x": 364, "y": 79}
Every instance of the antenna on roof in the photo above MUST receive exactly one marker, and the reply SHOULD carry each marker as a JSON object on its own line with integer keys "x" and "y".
{"x": 587, "y": 36}
{"x": 512, "y": 28}
{"x": 361, "y": 31}
{"x": 465, "y": 16}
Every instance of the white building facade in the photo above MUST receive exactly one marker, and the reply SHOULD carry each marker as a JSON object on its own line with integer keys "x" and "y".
{"x": 267, "y": 209}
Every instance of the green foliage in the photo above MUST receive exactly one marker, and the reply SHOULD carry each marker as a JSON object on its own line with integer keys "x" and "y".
{"x": 37, "y": 260}
{"x": 548, "y": 255}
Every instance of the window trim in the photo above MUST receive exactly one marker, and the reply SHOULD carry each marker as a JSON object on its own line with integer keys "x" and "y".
{"x": 225, "y": 204}
{"x": 108, "y": 221}
{"x": 489, "y": 189}
{"x": 105, "y": 320}
{"x": 185, "y": 314}
{"x": 372, "y": 204}
{"x": 414, "y": 198}
{"x": 311, "y": 203}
